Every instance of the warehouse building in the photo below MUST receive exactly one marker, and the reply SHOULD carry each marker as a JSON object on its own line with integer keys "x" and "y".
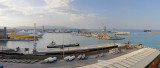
{"x": 3, "y": 34}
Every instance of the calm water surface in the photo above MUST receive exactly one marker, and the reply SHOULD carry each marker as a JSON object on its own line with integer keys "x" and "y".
{"x": 147, "y": 39}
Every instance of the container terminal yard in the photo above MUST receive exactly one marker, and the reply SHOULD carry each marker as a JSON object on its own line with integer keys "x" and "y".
{"x": 111, "y": 55}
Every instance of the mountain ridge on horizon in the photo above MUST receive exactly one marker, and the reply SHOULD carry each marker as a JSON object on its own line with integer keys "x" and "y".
{"x": 38, "y": 27}
{"x": 60, "y": 27}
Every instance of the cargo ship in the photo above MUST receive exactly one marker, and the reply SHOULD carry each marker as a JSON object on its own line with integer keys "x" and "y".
{"x": 61, "y": 46}
{"x": 147, "y": 30}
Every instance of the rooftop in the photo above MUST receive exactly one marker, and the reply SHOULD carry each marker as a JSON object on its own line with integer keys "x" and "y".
{"x": 137, "y": 59}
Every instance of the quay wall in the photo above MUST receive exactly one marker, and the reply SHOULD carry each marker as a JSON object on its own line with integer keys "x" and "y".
{"x": 59, "y": 56}
{"x": 79, "y": 51}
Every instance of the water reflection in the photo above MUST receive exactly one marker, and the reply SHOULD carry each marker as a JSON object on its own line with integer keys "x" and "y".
{"x": 3, "y": 43}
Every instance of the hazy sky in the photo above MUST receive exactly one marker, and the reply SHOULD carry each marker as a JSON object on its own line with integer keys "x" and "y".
{"x": 120, "y": 14}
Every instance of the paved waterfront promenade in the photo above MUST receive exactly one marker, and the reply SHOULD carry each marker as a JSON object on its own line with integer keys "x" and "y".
{"x": 44, "y": 51}
{"x": 136, "y": 54}
{"x": 63, "y": 64}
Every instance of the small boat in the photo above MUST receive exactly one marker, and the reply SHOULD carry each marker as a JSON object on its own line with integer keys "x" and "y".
{"x": 61, "y": 46}
{"x": 17, "y": 49}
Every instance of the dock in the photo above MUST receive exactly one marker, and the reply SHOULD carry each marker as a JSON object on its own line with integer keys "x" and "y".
{"x": 136, "y": 57}
{"x": 16, "y": 40}
{"x": 73, "y": 50}
{"x": 66, "y": 50}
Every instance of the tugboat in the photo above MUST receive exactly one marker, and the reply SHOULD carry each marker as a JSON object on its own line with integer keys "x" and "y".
{"x": 17, "y": 49}
{"x": 53, "y": 45}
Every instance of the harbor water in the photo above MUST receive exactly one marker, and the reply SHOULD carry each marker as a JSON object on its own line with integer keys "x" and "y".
{"x": 139, "y": 37}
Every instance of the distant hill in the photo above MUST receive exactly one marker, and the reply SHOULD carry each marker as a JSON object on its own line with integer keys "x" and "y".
{"x": 40, "y": 27}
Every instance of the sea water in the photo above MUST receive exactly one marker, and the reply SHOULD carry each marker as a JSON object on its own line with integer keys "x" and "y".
{"x": 138, "y": 37}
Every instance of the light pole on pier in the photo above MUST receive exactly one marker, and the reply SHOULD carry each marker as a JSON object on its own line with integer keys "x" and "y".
{"x": 35, "y": 43}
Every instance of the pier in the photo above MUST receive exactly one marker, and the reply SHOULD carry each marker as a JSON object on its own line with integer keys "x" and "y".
{"x": 66, "y": 51}
{"x": 16, "y": 39}
{"x": 73, "y": 50}
{"x": 60, "y": 63}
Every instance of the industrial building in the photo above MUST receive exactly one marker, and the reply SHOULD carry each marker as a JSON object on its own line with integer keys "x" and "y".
{"x": 74, "y": 30}
{"x": 3, "y": 34}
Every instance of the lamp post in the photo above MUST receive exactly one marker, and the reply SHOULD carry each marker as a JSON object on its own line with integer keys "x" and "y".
{"x": 35, "y": 43}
